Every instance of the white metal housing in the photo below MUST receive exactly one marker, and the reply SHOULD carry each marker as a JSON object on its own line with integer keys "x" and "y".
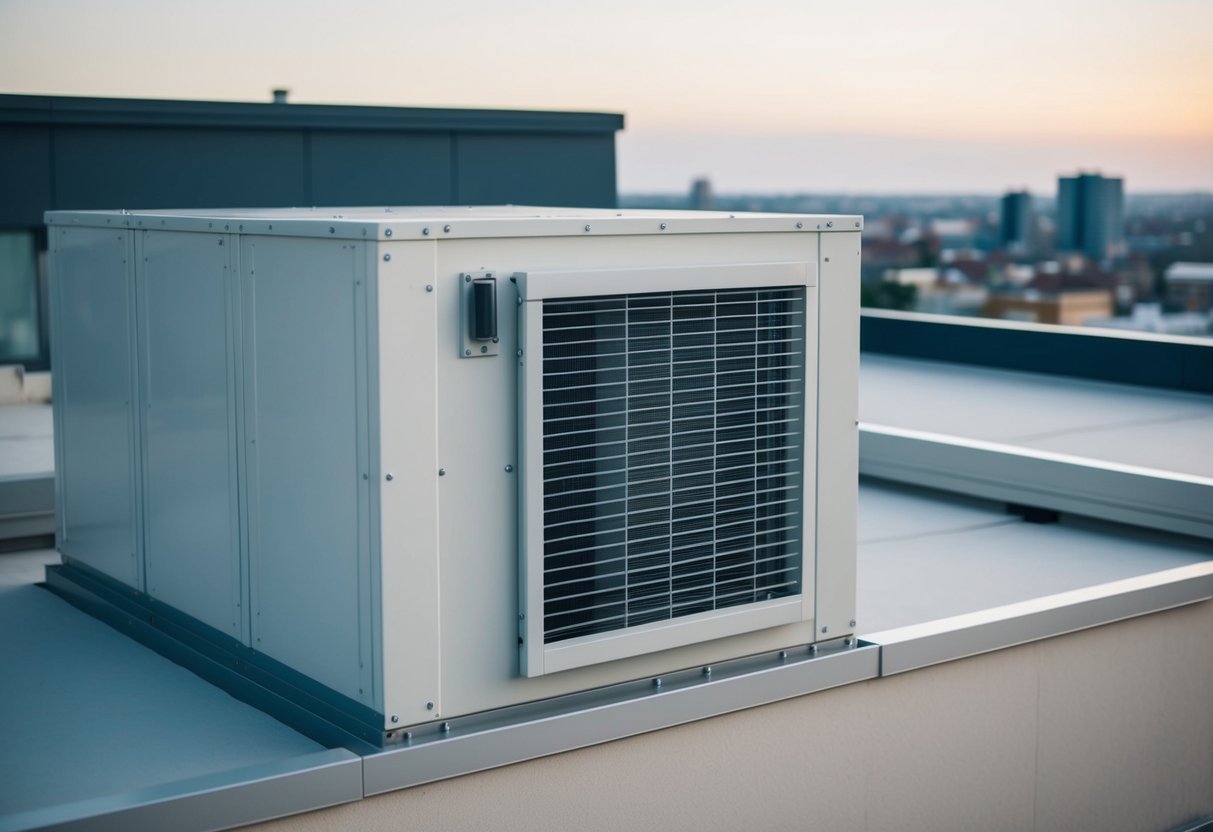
{"x": 274, "y": 422}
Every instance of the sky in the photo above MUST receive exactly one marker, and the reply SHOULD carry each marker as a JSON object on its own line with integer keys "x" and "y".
{"x": 885, "y": 96}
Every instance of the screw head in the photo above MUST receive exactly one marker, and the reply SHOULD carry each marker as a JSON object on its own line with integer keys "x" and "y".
{"x": 446, "y": 727}
{"x": 442, "y": 472}
{"x": 425, "y": 232}
{"x": 446, "y": 229}
{"x": 467, "y": 352}
{"x": 830, "y": 224}
{"x": 663, "y": 226}
{"x": 429, "y": 706}
{"x": 467, "y": 278}
{"x": 657, "y": 682}
{"x": 800, "y": 225}
{"x": 825, "y": 629}
{"x": 332, "y": 230}
{"x": 429, "y": 287}
{"x": 395, "y": 718}
{"x": 509, "y": 469}
{"x": 851, "y": 623}
{"x": 387, "y": 257}
{"x": 484, "y": 349}
{"x": 707, "y": 671}
{"x": 387, "y": 232}
{"x": 389, "y": 477}
{"x": 587, "y": 228}
{"x": 783, "y": 654}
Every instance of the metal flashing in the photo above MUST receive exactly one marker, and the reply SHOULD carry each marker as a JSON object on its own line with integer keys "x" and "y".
{"x": 947, "y": 639}
{"x": 512, "y": 735}
{"x": 1147, "y": 497}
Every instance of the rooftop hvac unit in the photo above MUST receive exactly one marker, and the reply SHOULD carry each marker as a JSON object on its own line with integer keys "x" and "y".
{"x": 421, "y": 463}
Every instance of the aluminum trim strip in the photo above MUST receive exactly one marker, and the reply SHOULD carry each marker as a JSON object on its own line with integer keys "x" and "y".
{"x": 213, "y": 801}
{"x": 962, "y": 636}
{"x": 1166, "y": 500}
{"x": 658, "y": 707}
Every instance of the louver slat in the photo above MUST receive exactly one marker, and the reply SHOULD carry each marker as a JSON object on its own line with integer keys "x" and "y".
{"x": 673, "y": 428}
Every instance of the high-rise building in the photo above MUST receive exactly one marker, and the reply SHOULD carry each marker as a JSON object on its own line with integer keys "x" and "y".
{"x": 701, "y": 194}
{"x": 1015, "y": 230}
{"x": 1090, "y": 215}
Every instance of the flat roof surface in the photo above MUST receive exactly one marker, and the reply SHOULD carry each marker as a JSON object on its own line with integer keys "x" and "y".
{"x": 87, "y": 712}
{"x": 1166, "y": 430}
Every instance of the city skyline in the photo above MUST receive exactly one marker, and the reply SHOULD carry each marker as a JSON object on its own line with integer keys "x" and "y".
{"x": 942, "y": 96}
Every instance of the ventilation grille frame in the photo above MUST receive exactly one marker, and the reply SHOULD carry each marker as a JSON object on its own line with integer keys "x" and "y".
{"x": 536, "y": 657}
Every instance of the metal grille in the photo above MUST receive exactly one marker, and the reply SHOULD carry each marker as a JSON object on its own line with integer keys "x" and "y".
{"x": 672, "y": 455}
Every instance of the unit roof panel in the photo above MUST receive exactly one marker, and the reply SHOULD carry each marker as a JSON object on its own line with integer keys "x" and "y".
{"x": 454, "y": 222}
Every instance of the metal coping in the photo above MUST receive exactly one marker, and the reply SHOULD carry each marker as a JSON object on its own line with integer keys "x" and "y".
{"x": 1146, "y": 497}
{"x": 75, "y": 111}
{"x": 1144, "y": 359}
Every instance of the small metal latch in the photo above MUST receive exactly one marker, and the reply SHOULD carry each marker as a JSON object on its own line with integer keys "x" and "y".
{"x": 478, "y": 335}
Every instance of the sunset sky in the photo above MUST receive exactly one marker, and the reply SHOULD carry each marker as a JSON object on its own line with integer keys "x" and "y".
{"x": 870, "y": 95}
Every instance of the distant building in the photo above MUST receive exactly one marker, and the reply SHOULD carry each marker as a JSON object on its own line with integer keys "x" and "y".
{"x": 1016, "y": 222}
{"x": 1067, "y": 308}
{"x": 1190, "y": 286}
{"x": 1090, "y": 215}
{"x": 701, "y": 194}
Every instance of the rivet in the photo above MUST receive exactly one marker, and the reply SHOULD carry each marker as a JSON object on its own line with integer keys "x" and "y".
{"x": 429, "y": 706}
{"x": 847, "y": 641}
{"x": 442, "y": 472}
{"x": 812, "y": 649}
{"x": 446, "y": 727}
{"x": 389, "y": 478}
{"x": 509, "y": 469}
{"x": 425, "y": 232}
{"x": 429, "y": 287}
{"x": 783, "y": 654}
{"x": 395, "y": 718}
{"x": 800, "y": 225}
{"x": 707, "y": 671}
{"x": 408, "y": 736}
{"x": 387, "y": 232}
{"x": 657, "y": 683}
{"x": 663, "y": 226}
{"x": 587, "y": 228}
{"x": 387, "y": 257}
{"x": 446, "y": 229}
